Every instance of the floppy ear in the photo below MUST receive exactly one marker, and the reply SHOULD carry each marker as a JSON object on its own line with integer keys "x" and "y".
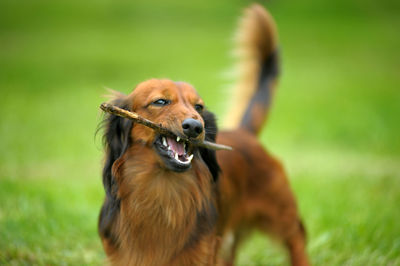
{"x": 209, "y": 156}
{"x": 116, "y": 141}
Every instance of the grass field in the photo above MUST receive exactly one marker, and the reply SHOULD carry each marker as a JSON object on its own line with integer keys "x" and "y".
{"x": 334, "y": 123}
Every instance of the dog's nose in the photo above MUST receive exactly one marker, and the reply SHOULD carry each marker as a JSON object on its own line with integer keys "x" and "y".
{"x": 192, "y": 127}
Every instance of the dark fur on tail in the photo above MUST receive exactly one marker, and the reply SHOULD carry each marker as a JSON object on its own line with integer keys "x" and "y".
{"x": 257, "y": 109}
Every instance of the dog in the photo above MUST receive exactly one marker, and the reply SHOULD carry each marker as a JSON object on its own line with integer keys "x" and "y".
{"x": 169, "y": 202}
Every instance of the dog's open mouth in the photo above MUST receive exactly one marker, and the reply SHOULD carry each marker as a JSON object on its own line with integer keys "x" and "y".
{"x": 175, "y": 152}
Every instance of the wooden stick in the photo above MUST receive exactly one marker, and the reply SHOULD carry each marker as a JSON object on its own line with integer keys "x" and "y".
{"x": 112, "y": 109}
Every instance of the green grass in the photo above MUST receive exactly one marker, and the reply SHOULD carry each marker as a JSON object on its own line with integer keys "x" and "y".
{"x": 334, "y": 121}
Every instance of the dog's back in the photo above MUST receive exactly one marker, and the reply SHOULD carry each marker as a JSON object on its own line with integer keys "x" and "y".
{"x": 254, "y": 191}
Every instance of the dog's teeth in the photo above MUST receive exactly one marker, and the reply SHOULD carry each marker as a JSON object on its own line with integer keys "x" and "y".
{"x": 164, "y": 141}
{"x": 178, "y": 139}
{"x": 190, "y": 158}
{"x": 184, "y": 146}
{"x": 169, "y": 148}
{"x": 176, "y": 157}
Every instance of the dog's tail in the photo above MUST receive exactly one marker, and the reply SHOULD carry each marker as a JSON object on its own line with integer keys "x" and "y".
{"x": 258, "y": 70}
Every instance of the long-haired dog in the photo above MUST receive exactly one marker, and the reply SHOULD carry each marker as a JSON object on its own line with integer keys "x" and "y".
{"x": 171, "y": 203}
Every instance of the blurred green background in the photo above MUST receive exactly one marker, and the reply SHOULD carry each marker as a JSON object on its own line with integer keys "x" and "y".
{"x": 334, "y": 121}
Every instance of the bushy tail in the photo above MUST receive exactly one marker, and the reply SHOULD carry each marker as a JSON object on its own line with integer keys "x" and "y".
{"x": 258, "y": 70}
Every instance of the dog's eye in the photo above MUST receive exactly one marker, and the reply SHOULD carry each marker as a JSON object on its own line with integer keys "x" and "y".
{"x": 199, "y": 108}
{"x": 161, "y": 102}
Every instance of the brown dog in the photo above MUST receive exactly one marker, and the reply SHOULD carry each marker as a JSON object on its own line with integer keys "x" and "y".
{"x": 171, "y": 203}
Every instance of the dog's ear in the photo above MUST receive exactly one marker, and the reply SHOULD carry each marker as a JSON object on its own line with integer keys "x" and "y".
{"x": 209, "y": 156}
{"x": 116, "y": 140}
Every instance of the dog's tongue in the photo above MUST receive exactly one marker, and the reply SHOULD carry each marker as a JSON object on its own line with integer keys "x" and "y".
{"x": 177, "y": 147}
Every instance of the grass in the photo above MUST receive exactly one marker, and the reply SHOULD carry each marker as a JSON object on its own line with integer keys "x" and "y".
{"x": 334, "y": 122}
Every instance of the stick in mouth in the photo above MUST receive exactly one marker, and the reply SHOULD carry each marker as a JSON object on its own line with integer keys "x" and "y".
{"x": 109, "y": 108}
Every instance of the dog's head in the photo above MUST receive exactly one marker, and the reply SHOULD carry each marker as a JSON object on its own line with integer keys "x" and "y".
{"x": 174, "y": 105}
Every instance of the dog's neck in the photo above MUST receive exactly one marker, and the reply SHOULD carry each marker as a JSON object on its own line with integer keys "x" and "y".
{"x": 161, "y": 210}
